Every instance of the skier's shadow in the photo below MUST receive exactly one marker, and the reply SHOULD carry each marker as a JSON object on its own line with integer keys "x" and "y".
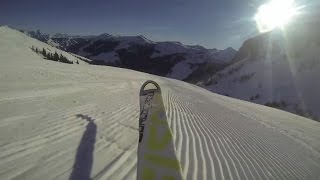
{"x": 84, "y": 159}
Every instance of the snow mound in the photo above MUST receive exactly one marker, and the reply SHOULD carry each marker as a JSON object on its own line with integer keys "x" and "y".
{"x": 60, "y": 121}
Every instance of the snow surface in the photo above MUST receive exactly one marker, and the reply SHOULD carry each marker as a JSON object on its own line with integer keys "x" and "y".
{"x": 59, "y": 120}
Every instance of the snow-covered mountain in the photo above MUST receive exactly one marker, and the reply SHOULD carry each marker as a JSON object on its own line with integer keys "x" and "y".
{"x": 59, "y": 121}
{"x": 169, "y": 59}
{"x": 278, "y": 69}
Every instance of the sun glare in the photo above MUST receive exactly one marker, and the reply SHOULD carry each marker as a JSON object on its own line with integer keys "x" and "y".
{"x": 276, "y": 13}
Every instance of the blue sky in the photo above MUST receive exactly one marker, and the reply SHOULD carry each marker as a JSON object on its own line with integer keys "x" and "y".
{"x": 210, "y": 23}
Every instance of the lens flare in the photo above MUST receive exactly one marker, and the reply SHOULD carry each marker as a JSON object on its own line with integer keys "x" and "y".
{"x": 276, "y": 13}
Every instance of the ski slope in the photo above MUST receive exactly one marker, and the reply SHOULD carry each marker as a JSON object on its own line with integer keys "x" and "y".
{"x": 61, "y": 121}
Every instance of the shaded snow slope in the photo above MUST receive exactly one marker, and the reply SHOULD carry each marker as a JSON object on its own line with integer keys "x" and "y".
{"x": 277, "y": 69}
{"x": 60, "y": 121}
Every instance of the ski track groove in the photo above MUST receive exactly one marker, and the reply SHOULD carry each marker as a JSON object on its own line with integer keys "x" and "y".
{"x": 125, "y": 165}
{"x": 205, "y": 137}
{"x": 193, "y": 170}
{"x": 274, "y": 161}
{"x": 114, "y": 125}
{"x": 185, "y": 140}
{"x": 270, "y": 155}
{"x": 265, "y": 113}
{"x": 238, "y": 153}
{"x": 227, "y": 164}
{"x": 96, "y": 149}
{"x": 237, "y": 161}
{"x": 37, "y": 146}
{"x": 54, "y": 132}
{"x": 221, "y": 174}
{"x": 202, "y": 140}
{"x": 228, "y": 138}
{"x": 225, "y": 169}
{"x": 56, "y": 154}
{"x": 118, "y": 162}
{"x": 132, "y": 174}
{"x": 49, "y": 128}
{"x": 189, "y": 132}
{"x": 218, "y": 130}
{"x": 243, "y": 161}
{"x": 179, "y": 139}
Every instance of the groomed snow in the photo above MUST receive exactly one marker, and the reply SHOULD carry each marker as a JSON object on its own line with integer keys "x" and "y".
{"x": 46, "y": 107}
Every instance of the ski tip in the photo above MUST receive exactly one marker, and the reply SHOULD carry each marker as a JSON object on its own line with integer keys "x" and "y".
{"x": 144, "y": 85}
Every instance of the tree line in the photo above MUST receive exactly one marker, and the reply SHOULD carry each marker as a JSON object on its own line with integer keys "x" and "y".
{"x": 52, "y": 56}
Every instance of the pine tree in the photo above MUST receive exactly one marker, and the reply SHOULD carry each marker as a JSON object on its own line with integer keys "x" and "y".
{"x": 36, "y": 50}
{"x": 49, "y": 56}
{"x": 77, "y": 62}
{"x": 44, "y": 53}
{"x": 55, "y": 57}
{"x": 61, "y": 58}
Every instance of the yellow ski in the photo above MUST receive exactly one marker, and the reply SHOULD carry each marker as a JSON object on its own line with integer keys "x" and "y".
{"x": 157, "y": 158}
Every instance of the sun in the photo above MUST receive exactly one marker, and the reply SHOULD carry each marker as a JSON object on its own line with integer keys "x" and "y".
{"x": 276, "y": 13}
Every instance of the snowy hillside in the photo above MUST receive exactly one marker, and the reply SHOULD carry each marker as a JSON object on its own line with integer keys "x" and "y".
{"x": 169, "y": 59}
{"x": 34, "y": 45}
{"x": 276, "y": 69}
{"x": 46, "y": 107}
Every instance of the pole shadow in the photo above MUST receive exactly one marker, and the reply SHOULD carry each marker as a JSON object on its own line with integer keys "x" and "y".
{"x": 84, "y": 159}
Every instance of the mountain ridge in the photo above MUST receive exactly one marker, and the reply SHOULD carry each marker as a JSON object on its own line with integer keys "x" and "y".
{"x": 168, "y": 58}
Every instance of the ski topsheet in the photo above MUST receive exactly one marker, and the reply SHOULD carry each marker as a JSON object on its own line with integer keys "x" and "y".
{"x": 156, "y": 153}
